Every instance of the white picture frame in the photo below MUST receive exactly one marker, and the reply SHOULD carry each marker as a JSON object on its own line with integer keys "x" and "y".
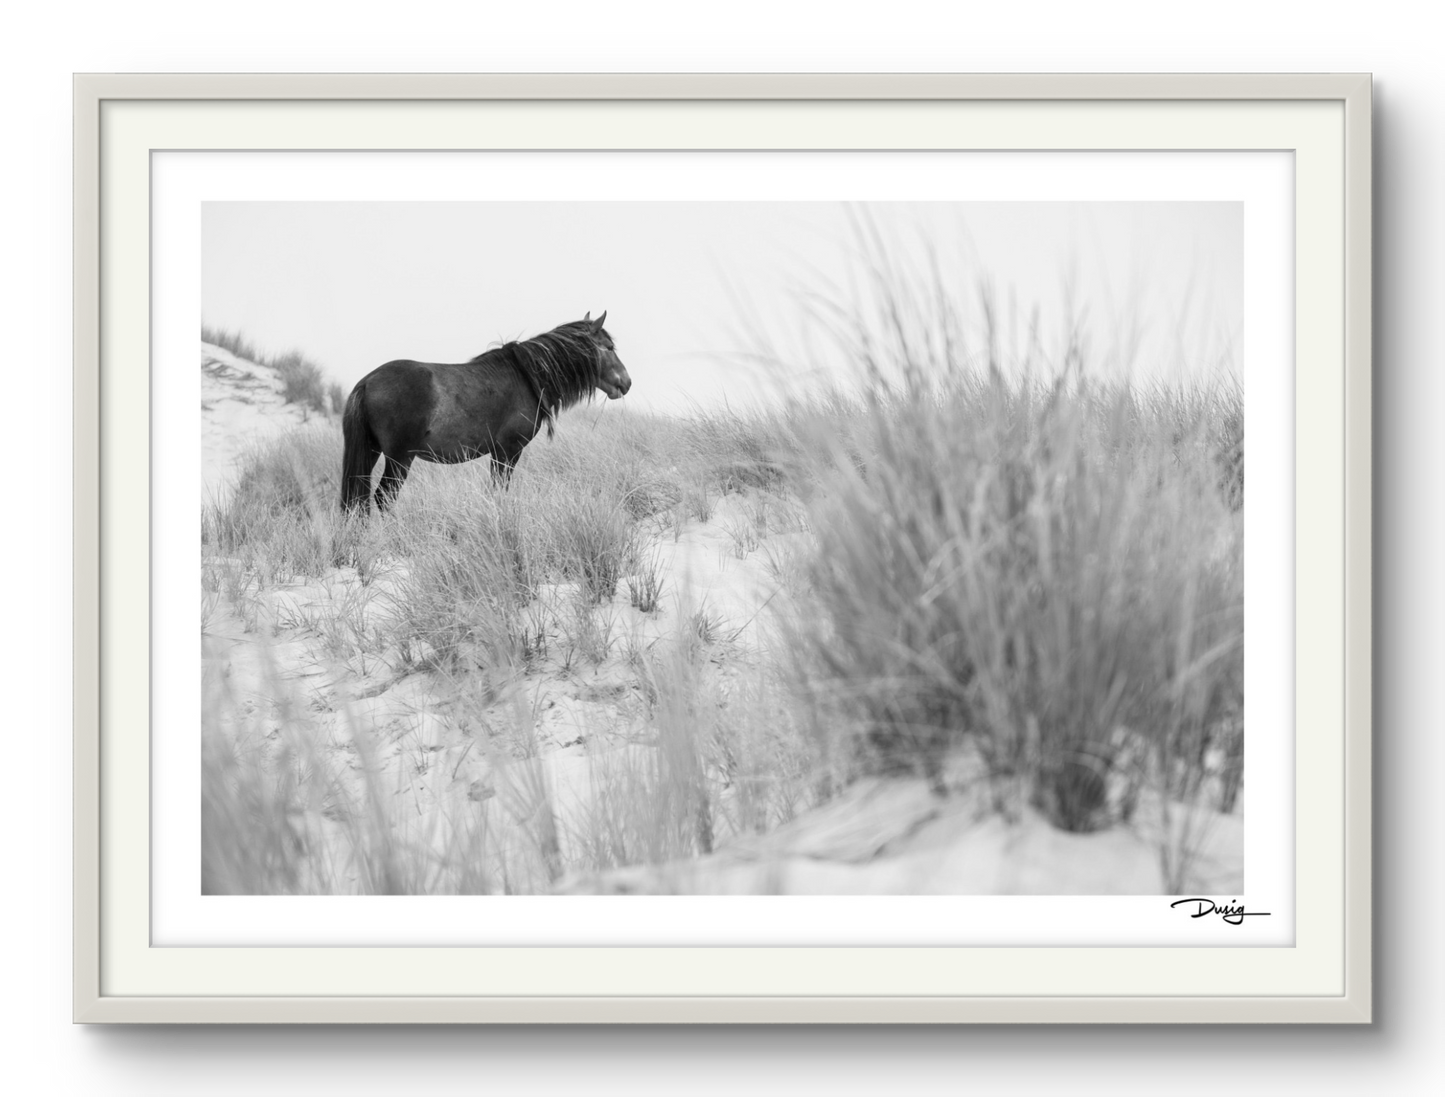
{"x": 1323, "y": 120}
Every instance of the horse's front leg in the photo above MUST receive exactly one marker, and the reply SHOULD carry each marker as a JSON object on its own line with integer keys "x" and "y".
{"x": 504, "y": 459}
{"x": 502, "y": 470}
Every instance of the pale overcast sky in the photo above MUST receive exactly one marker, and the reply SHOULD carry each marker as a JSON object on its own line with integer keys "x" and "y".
{"x": 355, "y": 284}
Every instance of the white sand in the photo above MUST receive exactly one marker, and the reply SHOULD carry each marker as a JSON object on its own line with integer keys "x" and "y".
{"x": 241, "y": 404}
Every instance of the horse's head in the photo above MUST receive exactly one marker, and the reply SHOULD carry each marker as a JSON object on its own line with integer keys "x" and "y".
{"x": 612, "y": 375}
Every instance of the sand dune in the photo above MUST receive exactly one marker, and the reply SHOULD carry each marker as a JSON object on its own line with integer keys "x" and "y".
{"x": 544, "y": 744}
{"x": 241, "y": 404}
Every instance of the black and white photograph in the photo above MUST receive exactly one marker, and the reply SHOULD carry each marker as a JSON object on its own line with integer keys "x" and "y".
{"x": 722, "y": 548}
{"x": 698, "y": 557}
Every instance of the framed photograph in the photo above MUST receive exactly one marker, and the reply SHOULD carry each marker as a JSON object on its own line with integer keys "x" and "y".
{"x": 722, "y": 548}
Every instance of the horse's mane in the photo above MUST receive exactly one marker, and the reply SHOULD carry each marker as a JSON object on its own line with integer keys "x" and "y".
{"x": 562, "y": 366}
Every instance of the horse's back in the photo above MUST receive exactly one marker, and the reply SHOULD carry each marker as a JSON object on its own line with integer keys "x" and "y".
{"x": 399, "y": 380}
{"x": 399, "y": 376}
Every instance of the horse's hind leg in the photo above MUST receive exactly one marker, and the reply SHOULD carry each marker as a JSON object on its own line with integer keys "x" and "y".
{"x": 393, "y": 475}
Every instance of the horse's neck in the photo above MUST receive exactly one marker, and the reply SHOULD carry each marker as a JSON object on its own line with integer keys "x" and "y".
{"x": 538, "y": 387}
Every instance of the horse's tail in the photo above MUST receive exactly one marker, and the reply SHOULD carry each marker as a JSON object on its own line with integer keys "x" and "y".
{"x": 358, "y": 455}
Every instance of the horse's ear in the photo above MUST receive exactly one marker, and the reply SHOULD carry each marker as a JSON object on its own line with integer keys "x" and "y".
{"x": 597, "y": 324}
{"x": 588, "y": 317}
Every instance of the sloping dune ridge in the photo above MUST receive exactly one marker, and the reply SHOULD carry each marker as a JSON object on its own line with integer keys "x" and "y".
{"x": 241, "y": 404}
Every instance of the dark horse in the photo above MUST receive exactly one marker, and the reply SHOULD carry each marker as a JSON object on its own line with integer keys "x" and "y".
{"x": 495, "y": 404}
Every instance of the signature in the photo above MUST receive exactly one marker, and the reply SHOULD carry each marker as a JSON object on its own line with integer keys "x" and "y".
{"x": 1233, "y": 913}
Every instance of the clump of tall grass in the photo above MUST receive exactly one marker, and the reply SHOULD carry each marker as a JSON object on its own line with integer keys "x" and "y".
{"x": 301, "y": 381}
{"x": 744, "y": 536}
{"x": 280, "y": 517}
{"x": 471, "y": 573}
{"x": 1029, "y": 573}
{"x": 595, "y": 542}
{"x": 1045, "y": 576}
{"x": 644, "y": 589}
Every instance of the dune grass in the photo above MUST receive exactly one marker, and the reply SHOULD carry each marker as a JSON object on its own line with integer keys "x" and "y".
{"x": 479, "y": 588}
{"x": 1045, "y": 579}
{"x": 1030, "y": 577}
{"x": 1049, "y": 578}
